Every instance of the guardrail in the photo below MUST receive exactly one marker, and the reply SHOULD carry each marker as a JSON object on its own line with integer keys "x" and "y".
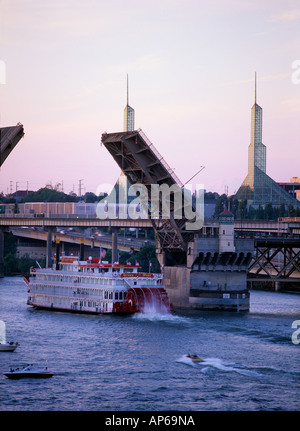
{"x": 160, "y": 158}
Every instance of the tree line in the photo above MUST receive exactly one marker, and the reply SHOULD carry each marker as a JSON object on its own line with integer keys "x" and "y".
{"x": 241, "y": 211}
{"x": 48, "y": 194}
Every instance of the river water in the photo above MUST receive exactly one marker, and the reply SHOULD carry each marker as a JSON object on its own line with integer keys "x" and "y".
{"x": 137, "y": 363}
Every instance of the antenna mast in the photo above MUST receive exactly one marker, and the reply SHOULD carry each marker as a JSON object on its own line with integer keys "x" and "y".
{"x": 127, "y": 92}
{"x": 255, "y": 90}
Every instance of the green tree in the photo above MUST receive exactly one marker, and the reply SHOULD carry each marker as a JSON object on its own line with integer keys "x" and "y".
{"x": 10, "y": 266}
{"x": 242, "y": 210}
{"x": 220, "y": 205}
{"x": 10, "y": 252}
{"x": 268, "y": 212}
{"x": 291, "y": 211}
{"x": 233, "y": 205}
{"x": 251, "y": 213}
{"x": 46, "y": 194}
{"x": 146, "y": 255}
{"x": 260, "y": 213}
{"x": 282, "y": 210}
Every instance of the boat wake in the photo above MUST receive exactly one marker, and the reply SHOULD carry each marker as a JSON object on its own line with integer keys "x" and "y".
{"x": 154, "y": 314}
{"x": 217, "y": 363}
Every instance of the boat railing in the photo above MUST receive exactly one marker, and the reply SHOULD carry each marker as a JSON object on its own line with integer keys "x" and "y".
{"x": 52, "y": 271}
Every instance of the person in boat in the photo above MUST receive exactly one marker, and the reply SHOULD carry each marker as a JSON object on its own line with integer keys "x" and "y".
{"x": 194, "y": 358}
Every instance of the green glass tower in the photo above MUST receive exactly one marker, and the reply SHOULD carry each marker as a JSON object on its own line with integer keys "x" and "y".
{"x": 258, "y": 188}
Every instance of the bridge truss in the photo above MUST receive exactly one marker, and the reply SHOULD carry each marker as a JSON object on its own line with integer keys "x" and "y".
{"x": 276, "y": 259}
{"x": 142, "y": 164}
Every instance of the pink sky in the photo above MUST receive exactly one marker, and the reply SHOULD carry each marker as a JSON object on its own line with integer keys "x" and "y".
{"x": 191, "y": 76}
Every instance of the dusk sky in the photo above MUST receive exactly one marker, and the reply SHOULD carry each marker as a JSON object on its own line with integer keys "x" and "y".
{"x": 191, "y": 68}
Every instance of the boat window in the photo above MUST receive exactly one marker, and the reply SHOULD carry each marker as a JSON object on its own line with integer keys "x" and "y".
{"x": 117, "y": 295}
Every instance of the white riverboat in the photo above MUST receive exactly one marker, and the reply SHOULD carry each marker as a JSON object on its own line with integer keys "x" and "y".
{"x": 96, "y": 287}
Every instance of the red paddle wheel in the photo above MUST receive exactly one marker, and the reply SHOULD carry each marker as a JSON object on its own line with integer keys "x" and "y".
{"x": 141, "y": 299}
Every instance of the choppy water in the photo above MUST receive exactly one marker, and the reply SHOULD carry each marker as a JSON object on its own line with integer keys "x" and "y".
{"x": 137, "y": 362}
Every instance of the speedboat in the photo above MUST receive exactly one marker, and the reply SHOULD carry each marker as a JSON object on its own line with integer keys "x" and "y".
{"x": 28, "y": 372}
{"x": 194, "y": 358}
{"x": 6, "y": 346}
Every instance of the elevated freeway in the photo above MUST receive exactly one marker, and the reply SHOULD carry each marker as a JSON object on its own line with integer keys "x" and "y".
{"x": 104, "y": 241}
{"x": 71, "y": 221}
{"x": 284, "y": 226}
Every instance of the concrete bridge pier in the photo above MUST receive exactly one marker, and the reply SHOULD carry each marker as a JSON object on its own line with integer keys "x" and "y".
{"x": 114, "y": 244}
{"x": 81, "y": 252}
{"x": 210, "y": 279}
{"x": 57, "y": 253}
{"x": 50, "y": 231}
{"x": 1, "y": 252}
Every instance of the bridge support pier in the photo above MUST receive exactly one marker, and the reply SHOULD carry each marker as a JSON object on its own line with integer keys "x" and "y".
{"x": 114, "y": 244}
{"x": 50, "y": 231}
{"x": 210, "y": 280}
{"x": 277, "y": 286}
{"x": 1, "y": 252}
{"x": 57, "y": 253}
{"x": 81, "y": 253}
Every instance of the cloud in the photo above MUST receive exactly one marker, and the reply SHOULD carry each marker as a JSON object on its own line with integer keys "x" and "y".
{"x": 292, "y": 105}
{"x": 142, "y": 63}
{"x": 287, "y": 16}
{"x": 274, "y": 77}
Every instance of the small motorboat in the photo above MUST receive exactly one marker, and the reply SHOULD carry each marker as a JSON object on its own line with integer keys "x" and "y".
{"x": 6, "y": 346}
{"x": 28, "y": 372}
{"x": 194, "y": 358}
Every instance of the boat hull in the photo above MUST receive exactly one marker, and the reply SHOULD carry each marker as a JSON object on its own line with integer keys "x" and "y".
{"x": 70, "y": 310}
{"x": 16, "y": 376}
{"x": 8, "y": 347}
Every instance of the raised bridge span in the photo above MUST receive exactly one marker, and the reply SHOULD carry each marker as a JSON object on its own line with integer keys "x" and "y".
{"x": 196, "y": 268}
{"x": 9, "y": 137}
